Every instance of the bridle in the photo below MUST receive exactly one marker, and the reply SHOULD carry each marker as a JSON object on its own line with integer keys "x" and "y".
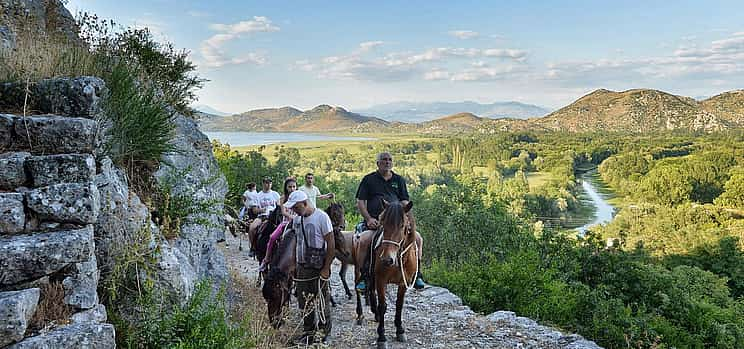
{"x": 401, "y": 252}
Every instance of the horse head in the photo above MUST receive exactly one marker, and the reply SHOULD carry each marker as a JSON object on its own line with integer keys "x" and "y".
{"x": 278, "y": 279}
{"x": 397, "y": 231}
{"x": 335, "y": 212}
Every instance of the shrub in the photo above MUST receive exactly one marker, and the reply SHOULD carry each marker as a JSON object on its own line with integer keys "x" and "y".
{"x": 140, "y": 123}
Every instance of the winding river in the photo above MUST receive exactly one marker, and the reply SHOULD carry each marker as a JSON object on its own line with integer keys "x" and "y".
{"x": 604, "y": 212}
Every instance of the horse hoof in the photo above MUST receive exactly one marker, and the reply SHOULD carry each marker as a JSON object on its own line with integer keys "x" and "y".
{"x": 381, "y": 345}
{"x": 360, "y": 322}
{"x": 401, "y": 337}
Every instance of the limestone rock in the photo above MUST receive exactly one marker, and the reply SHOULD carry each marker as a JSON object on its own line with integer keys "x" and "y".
{"x": 192, "y": 172}
{"x": 122, "y": 215}
{"x": 79, "y": 96}
{"x": 66, "y": 202}
{"x": 27, "y": 257}
{"x": 441, "y": 296}
{"x": 81, "y": 287}
{"x": 89, "y": 335}
{"x": 12, "y": 171}
{"x": 97, "y": 314}
{"x": 174, "y": 274}
{"x": 12, "y": 217}
{"x": 16, "y": 310}
{"x": 51, "y": 134}
{"x": 63, "y": 168}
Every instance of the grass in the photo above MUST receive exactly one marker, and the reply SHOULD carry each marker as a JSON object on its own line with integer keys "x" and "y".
{"x": 538, "y": 179}
{"x": 51, "y": 308}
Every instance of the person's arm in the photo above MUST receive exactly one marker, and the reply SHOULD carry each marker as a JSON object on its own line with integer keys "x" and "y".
{"x": 330, "y": 254}
{"x": 362, "y": 206}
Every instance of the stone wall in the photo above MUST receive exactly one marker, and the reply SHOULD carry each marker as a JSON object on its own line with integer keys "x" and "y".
{"x": 66, "y": 211}
{"x": 49, "y": 204}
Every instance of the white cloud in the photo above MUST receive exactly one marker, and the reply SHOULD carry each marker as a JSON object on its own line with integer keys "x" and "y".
{"x": 720, "y": 60}
{"x": 361, "y": 64}
{"x": 463, "y": 34}
{"x": 437, "y": 74}
{"x": 369, "y": 45}
{"x": 212, "y": 49}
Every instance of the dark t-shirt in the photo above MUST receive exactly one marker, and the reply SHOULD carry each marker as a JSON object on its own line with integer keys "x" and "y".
{"x": 374, "y": 188}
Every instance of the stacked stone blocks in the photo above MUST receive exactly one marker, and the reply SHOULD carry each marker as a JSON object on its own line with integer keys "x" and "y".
{"x": 48, "y": 207}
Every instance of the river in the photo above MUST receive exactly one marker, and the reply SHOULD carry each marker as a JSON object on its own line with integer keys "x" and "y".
{"x": 604, "y": 212}
{"x": 238, "y": 139}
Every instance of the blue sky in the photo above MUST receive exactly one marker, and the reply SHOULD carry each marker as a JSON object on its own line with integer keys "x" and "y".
{"x": 356, "y": 54}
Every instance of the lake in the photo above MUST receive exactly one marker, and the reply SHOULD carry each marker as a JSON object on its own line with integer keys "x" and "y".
{"x": 238, "y": 139}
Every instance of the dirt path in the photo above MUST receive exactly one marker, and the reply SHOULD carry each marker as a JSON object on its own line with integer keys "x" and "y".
{"x": 433, "y": 318}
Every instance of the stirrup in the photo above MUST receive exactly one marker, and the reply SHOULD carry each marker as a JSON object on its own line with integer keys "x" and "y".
{"x": 361, "y": 286}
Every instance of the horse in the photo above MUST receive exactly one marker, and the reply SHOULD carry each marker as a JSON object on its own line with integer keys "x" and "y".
{"x": 278, "y": 277}
{"x": 264, "y": 232}
{"x": 343, "y": 242}
{"x": 394, "y": 261}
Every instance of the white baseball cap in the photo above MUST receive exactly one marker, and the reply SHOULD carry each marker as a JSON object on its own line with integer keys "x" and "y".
{"x": 295, "y": 197}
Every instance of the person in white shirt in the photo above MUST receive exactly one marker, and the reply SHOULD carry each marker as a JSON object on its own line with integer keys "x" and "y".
{"x": 267, "y": 200}
{"x": 250, "y": 202}
{"x": 312, "y": 191}
{"x": 314, "y": 253}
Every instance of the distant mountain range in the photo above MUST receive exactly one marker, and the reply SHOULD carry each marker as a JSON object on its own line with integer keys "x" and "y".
{"x": 425, "y": 111}
{"x": 322, "y": 118}
{"x": 637, "y": 111}
{"x": 208, "y": 110}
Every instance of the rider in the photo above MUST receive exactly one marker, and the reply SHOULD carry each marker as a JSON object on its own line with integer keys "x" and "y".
{"x": 312, "y": 191}
{"x": 290, "y": 185}
{"x": 250, "y": 202}
{"x": 267, "y": 200}
{"x": 315, "y": 250}
{"x": 376, "y": 186}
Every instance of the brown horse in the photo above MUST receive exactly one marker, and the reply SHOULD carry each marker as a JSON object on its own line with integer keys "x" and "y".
{"x": 279, "y": 276}
{"x": 394, "y": 261}
{"x": 343, "y": 242}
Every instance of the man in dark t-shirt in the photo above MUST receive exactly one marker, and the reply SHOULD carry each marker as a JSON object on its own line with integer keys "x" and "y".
{"x": 383, "y": 184}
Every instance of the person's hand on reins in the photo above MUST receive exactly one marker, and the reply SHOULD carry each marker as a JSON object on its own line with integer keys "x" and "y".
{"x": 372, "y": 223}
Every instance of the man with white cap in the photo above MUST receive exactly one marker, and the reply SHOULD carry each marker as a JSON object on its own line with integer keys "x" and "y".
{"x": 314, "y": 253}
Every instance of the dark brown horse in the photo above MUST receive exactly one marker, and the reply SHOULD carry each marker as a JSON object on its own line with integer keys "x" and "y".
{"x": 343, "y": 242}
{"x": 394, "y": 261}
{"x": 279, "y": 276}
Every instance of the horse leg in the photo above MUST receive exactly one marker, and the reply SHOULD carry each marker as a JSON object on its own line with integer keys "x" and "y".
{"x": 359, "y": 311}
{"x": 342, "y": 274}
{"x": 381, "y": 309}
{"x": 400, "y": 332}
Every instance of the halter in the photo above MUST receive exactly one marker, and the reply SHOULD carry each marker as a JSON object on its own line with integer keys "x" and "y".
{"x": 401, "y": 254}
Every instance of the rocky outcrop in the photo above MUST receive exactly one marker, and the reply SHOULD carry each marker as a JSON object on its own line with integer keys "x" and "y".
{"x": 89, "y": 335}
{"x": 192, "y": 172}
{"x": 16, "y": 309}
{"x": 48, "y": 18}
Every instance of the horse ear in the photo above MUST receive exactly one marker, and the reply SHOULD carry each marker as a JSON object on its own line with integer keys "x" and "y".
{"x": 408, "y": 207}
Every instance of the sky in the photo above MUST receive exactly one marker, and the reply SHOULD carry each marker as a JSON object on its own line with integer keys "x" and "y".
{"x": 355, "y": 54}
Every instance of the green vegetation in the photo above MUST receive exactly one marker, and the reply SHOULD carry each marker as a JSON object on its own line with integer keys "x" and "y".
{"x": 492, "y": 212}
{"x": 201, "y": 322}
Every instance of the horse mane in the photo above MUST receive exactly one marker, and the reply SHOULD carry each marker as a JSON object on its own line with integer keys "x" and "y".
{"x": 393, "y": 215}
